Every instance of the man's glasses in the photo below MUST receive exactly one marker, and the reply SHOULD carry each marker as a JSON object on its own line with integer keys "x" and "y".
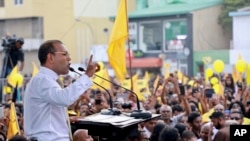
{"x": 219, "y": 110}
{"x": 165, "y": 111}
{"x": 235, "y": 118}
{"x": 64, "y": 53}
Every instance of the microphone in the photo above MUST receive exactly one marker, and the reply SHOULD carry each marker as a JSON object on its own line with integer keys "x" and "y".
{"x": 136, "y": 113}
{"x": 110, "y": 111}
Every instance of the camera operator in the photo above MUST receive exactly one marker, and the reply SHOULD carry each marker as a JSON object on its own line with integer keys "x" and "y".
{"x": 14, "y": 55}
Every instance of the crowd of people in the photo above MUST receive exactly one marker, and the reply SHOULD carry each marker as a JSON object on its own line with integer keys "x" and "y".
{"x": 196, "y": 112}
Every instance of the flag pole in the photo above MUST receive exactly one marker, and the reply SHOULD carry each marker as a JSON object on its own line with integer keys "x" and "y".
{"x": 129, "y": 53}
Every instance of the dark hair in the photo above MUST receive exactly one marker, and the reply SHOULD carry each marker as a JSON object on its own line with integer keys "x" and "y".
{"x": 195, "y": 103}
{"x": 18, "y": 138}
{"x": 231, "y": 86}
{"x": 189, "y": 86}
{"x": 46, "y": 48}
{"x": 20, "y": 40}
{"x": 181, "y": 127}
{"x": 169, "y": 134}
{"x": 133, "y": 134}
{"x": 240, "y": 104}
{"x": 177, "y": 108}
{"x": 156, "y": 131}
{"x": 187, "y": 135}
{"x": 192, "y": 116}
{"x": 217, "y": 115}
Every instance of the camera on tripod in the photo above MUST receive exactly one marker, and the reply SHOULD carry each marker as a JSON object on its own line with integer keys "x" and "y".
{"x": 10, "y": 42}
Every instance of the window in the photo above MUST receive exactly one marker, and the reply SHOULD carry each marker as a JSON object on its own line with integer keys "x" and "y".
{"x": 18, "y": 2}
{"x": 133, "y": 36}
{"x": 175, "y": 34}
{"x": 150, "y": 36}
{"x": 1, "y": 3}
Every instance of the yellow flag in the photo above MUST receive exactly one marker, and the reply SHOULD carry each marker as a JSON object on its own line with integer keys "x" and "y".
{"x": 205, "y": 116}
{"x": 146, "y": 76}
{"x": 13, "y": 126}
{"x": 116, "y": 49}
{"x": 137, "y": 90}
{"x": 35, "y": 69}
{"x": 236, "y": 75}
{"x": 143, "y": 84}
{"x": 167, "y": 66}
{"x": 15, "y": 78}
{"x": 104, "y": 74}
{"x": 7, "y": 90}
{"x": 248, "y": 75}
{"x": 221, "y": 89}
{"x": 127, "y": 82}
{"x": 11, "y": 76}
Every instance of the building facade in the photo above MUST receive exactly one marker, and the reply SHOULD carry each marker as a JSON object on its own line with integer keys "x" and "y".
{"x": 79, "y": 24}
{"x": 176, "y": 30}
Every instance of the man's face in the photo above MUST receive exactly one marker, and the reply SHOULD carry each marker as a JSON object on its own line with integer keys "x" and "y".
{"x": 60, "y": 59}
{"x": 197, "y": 123}
{"x": 237, "y": 117}
{"x": 204, "y": 133}
{"x": 18, "y": 45}
{"x": 166, "y": 113}
{"x": 217, "y": 123}
{"x": 150, "y": 125}
{"x": 146, "y": 105}
{"x": 219, "y": 108}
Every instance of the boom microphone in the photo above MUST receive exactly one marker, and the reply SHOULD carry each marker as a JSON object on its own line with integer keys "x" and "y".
{"x": 136, "y": 113}
{"x": 110, "y": 111}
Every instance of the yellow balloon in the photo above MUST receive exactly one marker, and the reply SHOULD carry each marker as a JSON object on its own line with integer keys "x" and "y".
{"x": 216, "y": 88}
{"x": 214, "y": 80}
{"x": 240, "y": 66}
{"x": 218, "y": 66}
{"x": 209, "y": 72}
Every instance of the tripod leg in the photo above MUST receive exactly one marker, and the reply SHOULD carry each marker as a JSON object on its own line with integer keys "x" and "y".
{"x": 4, "y": 74}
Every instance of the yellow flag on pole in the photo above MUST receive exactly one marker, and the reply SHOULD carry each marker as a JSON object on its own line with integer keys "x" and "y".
{"x": 13, "y": 126}
{"x": 35, "y": 69}
{"x": 248, "y": 75}
{"x": 15, "y": 78}
{"x": 119, "y": 35}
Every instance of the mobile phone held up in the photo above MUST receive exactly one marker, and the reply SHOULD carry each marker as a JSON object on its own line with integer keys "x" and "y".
{"x": 209, "y": 92}
{"x": 182, "y": 89}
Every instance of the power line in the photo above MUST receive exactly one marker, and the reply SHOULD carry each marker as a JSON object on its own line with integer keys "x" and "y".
{"x": 72, "y": 26}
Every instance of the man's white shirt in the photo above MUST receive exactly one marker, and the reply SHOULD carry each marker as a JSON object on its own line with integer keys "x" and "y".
{"x": 45, "y": 102}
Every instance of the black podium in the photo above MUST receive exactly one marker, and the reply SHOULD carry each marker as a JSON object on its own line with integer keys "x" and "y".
{"x": 112, "y": 128}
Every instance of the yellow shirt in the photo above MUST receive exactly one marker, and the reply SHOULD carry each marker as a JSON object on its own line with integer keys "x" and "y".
{"x": 246, "y": 121}
{"x": 205, "y": 117}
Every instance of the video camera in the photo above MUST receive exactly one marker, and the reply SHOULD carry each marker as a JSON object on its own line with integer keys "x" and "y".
{"x": 10, "y": 42}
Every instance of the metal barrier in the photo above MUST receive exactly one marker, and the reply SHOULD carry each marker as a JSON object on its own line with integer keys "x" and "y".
{"x": 7, "y": 91}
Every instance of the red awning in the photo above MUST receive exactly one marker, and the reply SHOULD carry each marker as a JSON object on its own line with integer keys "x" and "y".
{"x": 151, "y": 62}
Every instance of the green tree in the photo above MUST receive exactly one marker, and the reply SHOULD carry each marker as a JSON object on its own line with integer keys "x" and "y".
{"x": 228, "y": 6}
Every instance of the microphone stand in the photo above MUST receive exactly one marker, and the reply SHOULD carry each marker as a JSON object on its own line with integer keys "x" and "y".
{"x": 136, "y": 113}
{"x": 110, "y": 111}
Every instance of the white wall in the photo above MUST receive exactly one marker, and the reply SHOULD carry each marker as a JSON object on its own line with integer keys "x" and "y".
{"x": 241, "y": 32}
{"x": 233, "y": 55}
{"x": 95, "y": 8}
